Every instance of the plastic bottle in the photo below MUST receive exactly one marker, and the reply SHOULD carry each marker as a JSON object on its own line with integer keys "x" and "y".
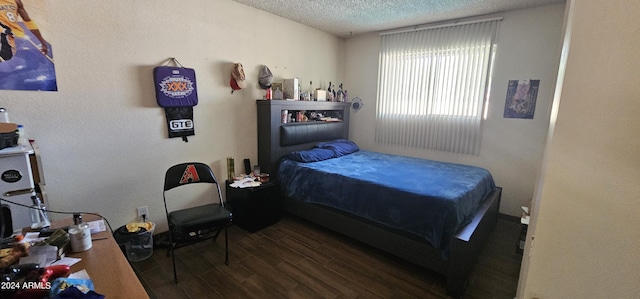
{"x": 22, "y": 138}
{"x": 4, "y": 115}
{"x": 80, "y": 235}
{"x": 35, "y": 216}
{"x": 39, "y": 217}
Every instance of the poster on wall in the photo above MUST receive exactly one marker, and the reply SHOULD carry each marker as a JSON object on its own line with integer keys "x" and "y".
{"x": 26, "y": 58}
{"x": 521, "y": 99}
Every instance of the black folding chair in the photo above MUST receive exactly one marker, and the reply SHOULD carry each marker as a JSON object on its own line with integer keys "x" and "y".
{"x": 194, "y": 224}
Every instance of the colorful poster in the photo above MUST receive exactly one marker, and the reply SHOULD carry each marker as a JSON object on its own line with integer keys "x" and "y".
{"x": 26, "y": 58}
{"x": 521, "y": 99}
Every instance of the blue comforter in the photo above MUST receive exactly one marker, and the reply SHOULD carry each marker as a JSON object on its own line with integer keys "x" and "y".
{"x": 425, "y": 198}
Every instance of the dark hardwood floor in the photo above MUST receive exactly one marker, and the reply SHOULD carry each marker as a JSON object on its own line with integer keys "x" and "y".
{"x": 296, "y": 259}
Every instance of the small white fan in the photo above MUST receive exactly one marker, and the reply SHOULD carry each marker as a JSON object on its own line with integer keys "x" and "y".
{"x": 356, "y": 104}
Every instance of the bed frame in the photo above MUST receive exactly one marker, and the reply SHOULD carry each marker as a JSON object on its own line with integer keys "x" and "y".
{"x": 277, "y": 139}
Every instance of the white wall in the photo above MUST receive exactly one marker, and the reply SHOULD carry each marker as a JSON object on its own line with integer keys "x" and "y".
{"x": 103, "y": 138}
{"x": 586, "y": 211}
{"x": 512, "y": 149}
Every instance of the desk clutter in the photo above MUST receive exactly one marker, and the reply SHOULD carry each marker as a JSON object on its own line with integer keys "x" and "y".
{"x": 249, "y": 178}
{"x": 35, "y": 264}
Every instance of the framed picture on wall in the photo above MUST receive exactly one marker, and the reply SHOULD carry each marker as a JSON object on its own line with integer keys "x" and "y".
{"x": 521, "y": 99}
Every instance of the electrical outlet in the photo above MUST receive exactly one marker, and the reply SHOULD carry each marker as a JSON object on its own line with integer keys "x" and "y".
{"x": 143, "y": 210}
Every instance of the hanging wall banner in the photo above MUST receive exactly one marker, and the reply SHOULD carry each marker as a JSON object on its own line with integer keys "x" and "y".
{"x": 521, "y": 99}
{"x": 180, "y": 122}
{"x": 26, "y": 58}
{"x": 176, "y": 92}
{"x": 175, "y": 86}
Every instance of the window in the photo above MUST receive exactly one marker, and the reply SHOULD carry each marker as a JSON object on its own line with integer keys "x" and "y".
{"x": 433, "y": 86}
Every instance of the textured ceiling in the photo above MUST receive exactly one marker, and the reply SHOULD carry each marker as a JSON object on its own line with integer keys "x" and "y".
{"x": 351, "y": 17}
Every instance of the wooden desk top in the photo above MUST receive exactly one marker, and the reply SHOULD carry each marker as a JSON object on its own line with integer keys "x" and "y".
{"x": 107, "y": 266}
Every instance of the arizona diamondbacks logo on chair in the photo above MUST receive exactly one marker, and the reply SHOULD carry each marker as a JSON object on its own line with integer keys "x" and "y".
{"x": 190, "y": 175}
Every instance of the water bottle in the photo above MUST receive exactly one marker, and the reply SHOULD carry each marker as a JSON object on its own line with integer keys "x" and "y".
{"x": 39, "y": 217}
{"x": 4, "y": 115}
{"x": 22, "y": 138}
{"x": 35, "y": 216}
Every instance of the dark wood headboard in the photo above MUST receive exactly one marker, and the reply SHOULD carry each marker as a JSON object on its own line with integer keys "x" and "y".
{"x": 276, "y": 139}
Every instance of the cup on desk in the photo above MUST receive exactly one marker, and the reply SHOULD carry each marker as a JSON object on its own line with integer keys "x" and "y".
{"x": 80, "y": 238}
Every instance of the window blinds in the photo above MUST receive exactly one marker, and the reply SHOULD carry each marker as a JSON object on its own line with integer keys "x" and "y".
{"x": 432, "y": 86}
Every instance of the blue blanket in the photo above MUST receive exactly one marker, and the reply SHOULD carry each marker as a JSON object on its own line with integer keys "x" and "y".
{"x": 425, "y": 198}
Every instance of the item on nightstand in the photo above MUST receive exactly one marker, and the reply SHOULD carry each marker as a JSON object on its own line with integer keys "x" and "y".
{"x": 264, "y": 177}
{"x": 247, "y": 166}
{"x": 231, "y": 169}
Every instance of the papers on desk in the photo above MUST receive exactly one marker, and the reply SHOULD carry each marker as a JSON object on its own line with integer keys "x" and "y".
{"x": 43, "y": 255}
{"x": 97, "y": 226}
{"x": 69, "y": 261}
{"x": 32, "y": 238}
{"x": 245, "y": 183}
{"x": 82, "y": 274}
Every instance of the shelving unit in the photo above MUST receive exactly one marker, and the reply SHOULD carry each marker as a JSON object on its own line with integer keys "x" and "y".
{"x": 272, "y": 129}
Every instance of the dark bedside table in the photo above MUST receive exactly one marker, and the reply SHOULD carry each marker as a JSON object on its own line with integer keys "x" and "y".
{"x": 255, "y": 208}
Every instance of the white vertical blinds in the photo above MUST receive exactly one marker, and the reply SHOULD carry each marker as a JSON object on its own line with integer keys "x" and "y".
{"x": 432, "y": 86}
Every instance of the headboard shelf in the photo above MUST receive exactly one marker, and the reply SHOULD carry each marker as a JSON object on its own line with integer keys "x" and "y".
{"x": 276, "y": 139}
{"x": 311, "y": 122}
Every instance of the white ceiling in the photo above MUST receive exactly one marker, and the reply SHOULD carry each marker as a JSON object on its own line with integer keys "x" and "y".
{"x": 351, "y": 17}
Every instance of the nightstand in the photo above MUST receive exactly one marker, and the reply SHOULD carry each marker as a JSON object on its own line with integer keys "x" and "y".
{"x": 255, "y": 208}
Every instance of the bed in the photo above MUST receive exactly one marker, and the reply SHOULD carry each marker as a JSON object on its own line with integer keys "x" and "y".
{"x": 350, "y": 194}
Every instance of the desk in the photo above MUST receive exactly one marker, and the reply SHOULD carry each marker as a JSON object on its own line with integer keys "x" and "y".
{"x": 109, "y": 269}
